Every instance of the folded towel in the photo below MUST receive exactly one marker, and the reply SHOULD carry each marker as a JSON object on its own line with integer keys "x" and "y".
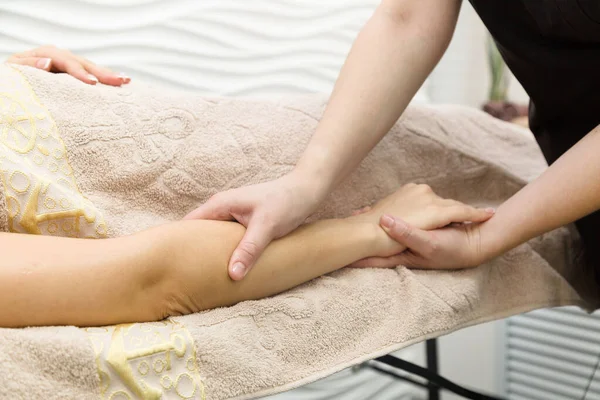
{"x": 102, "y": 161}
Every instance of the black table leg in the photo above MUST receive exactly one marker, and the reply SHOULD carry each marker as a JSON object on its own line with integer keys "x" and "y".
{"x": 432, "y": 365}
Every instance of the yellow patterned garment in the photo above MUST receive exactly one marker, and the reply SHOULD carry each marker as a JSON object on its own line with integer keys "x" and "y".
{"x": 147, "y": 361}
{"x": 136, "y": 361}
{"x": 41, "y": 194}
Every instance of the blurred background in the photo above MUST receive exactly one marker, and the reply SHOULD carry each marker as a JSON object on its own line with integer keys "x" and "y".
{"x": 270, "y": 48}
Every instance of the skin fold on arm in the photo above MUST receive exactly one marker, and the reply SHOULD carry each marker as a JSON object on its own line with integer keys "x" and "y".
{"x": 179, "y": 268}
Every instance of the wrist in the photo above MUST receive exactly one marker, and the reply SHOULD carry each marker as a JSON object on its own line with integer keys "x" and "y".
{"x": 495, "y": 238}
{"x": 315, "y": 186}
{"x": 380, "y": 244}
{"x": 314, "y": 172}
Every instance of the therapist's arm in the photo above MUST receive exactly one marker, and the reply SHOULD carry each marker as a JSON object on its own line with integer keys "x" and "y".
{"x": 392, "y": 56}
{"x": 567, "y": 191}
{"x": 390, "y": 59}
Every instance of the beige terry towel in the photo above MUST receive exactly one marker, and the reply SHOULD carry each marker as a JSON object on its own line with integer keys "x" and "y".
{"x": 141, "y": 156}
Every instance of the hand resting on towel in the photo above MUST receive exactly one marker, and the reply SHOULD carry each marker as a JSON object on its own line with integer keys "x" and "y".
{"x": 53, "y": 59}
{"x": 179, "y": 268}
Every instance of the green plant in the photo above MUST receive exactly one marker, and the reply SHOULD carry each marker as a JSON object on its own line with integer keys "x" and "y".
{"x": 498, "y": 71}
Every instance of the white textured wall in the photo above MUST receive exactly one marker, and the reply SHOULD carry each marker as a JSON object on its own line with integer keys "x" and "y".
{"x": 226, "y": 47}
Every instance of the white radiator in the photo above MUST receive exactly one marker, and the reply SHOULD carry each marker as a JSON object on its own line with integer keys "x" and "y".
{"x": 551, "y": 355}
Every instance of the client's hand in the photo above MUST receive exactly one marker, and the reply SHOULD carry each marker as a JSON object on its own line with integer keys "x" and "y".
{"x": 420, "y": 207}
{"x": 52, "y": 59}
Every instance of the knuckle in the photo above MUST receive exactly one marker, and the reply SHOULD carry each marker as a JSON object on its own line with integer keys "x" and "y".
{"x": 433, "y": 208}
{"x": 266, "y": 222}
{"x": 44, "y": 49}
{"x": 403, "y": 231}
{"x": 467, "y": 211}
{"x": 425, "y": 188}
{"x": 220, "y": 197}
{"x": 456, "y": 209}
{"x": 431, "y": 249}
{"x": 248, "y": 250}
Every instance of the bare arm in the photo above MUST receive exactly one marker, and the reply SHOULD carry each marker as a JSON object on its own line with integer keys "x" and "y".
{"x": 178, "y": 268}
{"x": 199, "y": 280}
{"x": 162, "y": 271}
{"x": 391, "y": 58}
{"x": 572, "y": 180}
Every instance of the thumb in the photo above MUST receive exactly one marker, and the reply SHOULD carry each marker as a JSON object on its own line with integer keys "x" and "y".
{"x": 215, "y": 208}
{"x": 462, "y": 213}
{"x": 36, "y": 62}
{"x": 415, "y": 240}
{"x": 252, "y": 245}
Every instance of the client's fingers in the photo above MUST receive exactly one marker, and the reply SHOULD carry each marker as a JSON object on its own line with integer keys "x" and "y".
{"x": 254, "y": 242}
{"x": 36, "y": 62}
{"x": 453, "y": 211}
{"x": 105, "y": 75}
{"x": 459, "y": 212}
{"x": 414, "y": 239}
{"x": 411, "y": 260}
{"x": 73, "y": 67}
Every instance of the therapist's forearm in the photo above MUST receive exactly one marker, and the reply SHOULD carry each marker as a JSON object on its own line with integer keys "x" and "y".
{"x": 567, "y": 191}
{"x": 391, "y": 58}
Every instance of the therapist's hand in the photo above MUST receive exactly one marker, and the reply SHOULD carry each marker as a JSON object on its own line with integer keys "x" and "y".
{"x": 268, "y": 210}
{"x": 452, "y": 247}
{"x": 53, "y": 59}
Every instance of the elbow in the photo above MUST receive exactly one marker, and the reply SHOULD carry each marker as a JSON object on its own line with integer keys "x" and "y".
{"x": 429, "y": 20}
{"x": 400, "y": 12}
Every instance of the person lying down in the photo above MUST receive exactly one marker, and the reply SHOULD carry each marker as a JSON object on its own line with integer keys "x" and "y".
{"x": 181, "y": 267}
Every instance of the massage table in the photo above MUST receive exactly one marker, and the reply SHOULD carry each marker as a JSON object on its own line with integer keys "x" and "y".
{"x": 117, "y": 160}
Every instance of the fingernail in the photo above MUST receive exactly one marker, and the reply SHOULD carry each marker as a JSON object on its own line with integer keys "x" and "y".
{"x": 490, "y": 210}
{"x": 124, "y": 77}
{"x": 387, "y": 221}
{"x": 92, "y": 78}
{"x": 239, "y": 268}
{"x": 43, "y": 63}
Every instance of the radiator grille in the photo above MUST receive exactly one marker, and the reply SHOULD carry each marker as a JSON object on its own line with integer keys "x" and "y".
{"x": 551, "y": 354}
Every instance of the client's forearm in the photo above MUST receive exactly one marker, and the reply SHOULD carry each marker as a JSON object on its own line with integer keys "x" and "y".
{"x": 173, "y": 269}
{"x": 199, "y": 280}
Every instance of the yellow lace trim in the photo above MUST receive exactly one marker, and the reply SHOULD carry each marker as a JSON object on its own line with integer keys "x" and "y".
{"x": 148, "y": 361}
{"x": 42, "y": 196}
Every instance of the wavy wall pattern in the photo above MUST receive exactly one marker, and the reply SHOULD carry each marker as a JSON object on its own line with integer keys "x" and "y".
{"x": 216, "y": 47}
{"x": 257, "y": 48}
